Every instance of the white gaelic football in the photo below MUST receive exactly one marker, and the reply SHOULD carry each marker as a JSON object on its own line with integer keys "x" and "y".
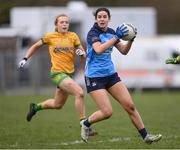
{"x": 132, "y": 31}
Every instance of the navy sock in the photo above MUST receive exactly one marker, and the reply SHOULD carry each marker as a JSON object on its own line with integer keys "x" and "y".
{"x": 87, "y": 123}
{"x": 143, "y": 132}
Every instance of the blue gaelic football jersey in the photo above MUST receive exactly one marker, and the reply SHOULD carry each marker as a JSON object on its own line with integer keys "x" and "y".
{"x": 99, "y": 65}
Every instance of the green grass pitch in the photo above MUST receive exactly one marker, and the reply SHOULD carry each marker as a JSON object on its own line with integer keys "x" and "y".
{"x": 60, "y": 128}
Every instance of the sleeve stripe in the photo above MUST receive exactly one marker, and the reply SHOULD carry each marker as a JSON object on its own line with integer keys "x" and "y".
{"x": 43, "y": 41}
{"x": 77, "y": 45}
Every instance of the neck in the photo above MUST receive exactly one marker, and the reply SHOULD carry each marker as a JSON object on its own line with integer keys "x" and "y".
{"x": 104, "y": 29}
{"x": 61, "y": 32}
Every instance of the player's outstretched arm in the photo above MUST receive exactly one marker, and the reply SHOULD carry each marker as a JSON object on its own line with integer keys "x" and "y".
{"x": 175, "y": 60}
{"x": 30, "y": 52}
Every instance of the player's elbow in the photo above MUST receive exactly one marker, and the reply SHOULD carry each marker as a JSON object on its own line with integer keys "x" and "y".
{"x": 98, "y": 51}
{"x": 124, "y": 53}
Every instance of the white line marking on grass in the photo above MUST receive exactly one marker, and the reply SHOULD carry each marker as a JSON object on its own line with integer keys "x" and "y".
{"x": 112, "y": 140}
{"x": 101, "y": 141}
{"x": 72, "y": 142}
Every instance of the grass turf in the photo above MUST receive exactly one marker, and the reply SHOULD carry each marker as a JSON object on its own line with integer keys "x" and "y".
{"x": 60, "y": 128}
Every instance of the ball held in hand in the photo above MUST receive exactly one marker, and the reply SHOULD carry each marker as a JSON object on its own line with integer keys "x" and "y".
{"x": 131, "y": 34}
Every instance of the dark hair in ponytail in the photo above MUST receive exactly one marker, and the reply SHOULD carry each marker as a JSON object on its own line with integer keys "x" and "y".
{"x": 102, "y": 9}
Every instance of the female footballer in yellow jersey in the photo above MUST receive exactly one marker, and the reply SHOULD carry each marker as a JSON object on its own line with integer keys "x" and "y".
{"x": 63, "y": 45}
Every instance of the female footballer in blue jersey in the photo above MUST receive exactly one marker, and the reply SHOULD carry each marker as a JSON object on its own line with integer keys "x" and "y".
{"x": 101, "y": 77}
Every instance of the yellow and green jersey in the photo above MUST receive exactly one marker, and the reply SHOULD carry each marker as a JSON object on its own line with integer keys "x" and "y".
{"x": 62, "y": 50}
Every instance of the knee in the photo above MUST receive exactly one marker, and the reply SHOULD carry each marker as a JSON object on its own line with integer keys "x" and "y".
{"x": 131, "y": 108}
{"x": 80, "y": 93}
{"x": 107, "y": 113}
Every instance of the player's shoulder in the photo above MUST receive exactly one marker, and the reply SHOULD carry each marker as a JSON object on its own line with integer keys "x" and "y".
{"x": 93, "y": 32}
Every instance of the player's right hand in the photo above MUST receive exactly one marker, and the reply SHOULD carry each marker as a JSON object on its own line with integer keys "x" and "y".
{"x": 122, "y": 31}
{"x": 79, "y": 52}
{"x": 135, "y": 31}
{"x": 22, "y": 62}
{"x": 172, "y": 60}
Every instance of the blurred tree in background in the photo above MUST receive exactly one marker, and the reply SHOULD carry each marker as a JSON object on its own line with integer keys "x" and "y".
{"x": 168, "y": 12}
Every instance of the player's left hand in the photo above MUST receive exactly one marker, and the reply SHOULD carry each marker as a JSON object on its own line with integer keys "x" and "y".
{"x": 122, "y": 31}
{"x": 79, "y": 52}
{"x": 22, "y": 63}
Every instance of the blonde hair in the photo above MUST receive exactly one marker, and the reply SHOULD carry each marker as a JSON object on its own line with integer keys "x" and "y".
{"x": 56, "y": 20}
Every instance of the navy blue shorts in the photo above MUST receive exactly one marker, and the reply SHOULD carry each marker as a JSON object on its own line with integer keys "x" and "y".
{"x": 96, "y": 83}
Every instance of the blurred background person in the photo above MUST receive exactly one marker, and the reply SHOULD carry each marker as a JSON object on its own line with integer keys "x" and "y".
{"x": 175, "y": 60}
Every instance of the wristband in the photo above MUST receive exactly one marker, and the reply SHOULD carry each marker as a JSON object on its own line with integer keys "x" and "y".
{"x": 132, "y": 40}
{"x": 25, "y": 58}
{"x": 117, "y": 40}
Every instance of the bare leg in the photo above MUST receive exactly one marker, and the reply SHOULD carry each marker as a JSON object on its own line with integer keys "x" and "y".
{"x": 71, "y": 87}
{"x": 121, "y": 94}
{"x": 104, "y": 112}
{"x": 58, "y": 101}
{"x": 105, "y": 109}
